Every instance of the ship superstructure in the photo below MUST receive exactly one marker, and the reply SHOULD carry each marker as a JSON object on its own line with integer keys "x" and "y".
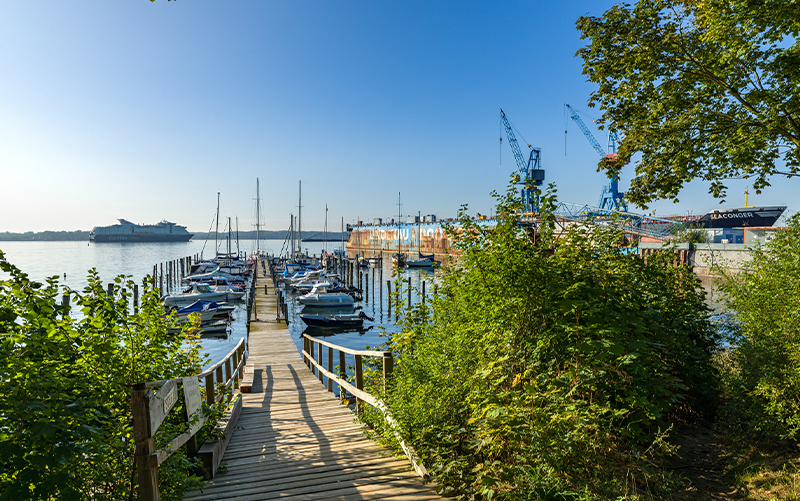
{"x": 127, "y": 231}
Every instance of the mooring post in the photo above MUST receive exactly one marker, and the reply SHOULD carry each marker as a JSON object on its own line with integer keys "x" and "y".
{"x": 409, "y": 292}
{"x": 389, "y": 294}
{"x": 423, "y": 292}
{"x": 65, "y": 303}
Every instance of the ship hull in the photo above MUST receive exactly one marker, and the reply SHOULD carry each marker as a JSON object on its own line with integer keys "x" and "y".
{"x": 140, "y": 238}
{"x": 742, "y": 218}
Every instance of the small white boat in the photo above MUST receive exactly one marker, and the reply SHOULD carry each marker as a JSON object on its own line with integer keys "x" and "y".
{"x": 194, "y": 293}
{"x": 319, "y": 297}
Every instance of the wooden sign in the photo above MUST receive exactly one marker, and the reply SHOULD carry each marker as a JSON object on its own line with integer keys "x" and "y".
{"x": 161, "y": 403}
{"x": 169, "y": 399}
{"x": 194, "y": 402}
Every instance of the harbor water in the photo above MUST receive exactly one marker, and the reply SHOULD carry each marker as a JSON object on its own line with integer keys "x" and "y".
{"x": 69, "y": 262}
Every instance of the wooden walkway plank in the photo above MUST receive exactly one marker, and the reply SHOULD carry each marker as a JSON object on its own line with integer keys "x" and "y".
{"x": 294, "y": 439}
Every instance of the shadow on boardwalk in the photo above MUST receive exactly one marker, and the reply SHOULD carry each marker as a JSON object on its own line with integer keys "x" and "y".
{"x": 295, "y": 440}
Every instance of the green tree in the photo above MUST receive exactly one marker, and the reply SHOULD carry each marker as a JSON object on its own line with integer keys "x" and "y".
{"x": 543, "y": 366}
{"x": 763, "y": 376}
{"x": 65, "y": 417}
{"x": 702, "y": 89}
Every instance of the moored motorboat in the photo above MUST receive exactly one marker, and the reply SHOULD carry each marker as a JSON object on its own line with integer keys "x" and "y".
{"x": 319, "y": 297}
{"x": 205, "y": 309}
{"x": 339, "y": 320}
{"x": 194, "y": 293}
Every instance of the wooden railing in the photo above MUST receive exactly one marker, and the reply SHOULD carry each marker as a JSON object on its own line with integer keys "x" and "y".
{"x": 151, "y": 403}
{"x": 312, "y": 345}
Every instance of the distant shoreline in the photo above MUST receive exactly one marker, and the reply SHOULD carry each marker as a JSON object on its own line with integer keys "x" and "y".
{"x": 83, "y": 236}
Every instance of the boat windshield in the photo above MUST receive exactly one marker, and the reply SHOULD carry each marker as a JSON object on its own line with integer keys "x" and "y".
{"x": 203, "y": 288}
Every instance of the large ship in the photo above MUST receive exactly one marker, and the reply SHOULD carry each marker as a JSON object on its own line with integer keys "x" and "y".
{"x": 741, "y": 218}
{"x": 126, "y": 231}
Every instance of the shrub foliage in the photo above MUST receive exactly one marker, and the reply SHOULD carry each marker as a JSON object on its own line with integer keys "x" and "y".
{"x": 65, "y": 414}
{"x": 546, "y": 363}
{"x": 762, "y": 368}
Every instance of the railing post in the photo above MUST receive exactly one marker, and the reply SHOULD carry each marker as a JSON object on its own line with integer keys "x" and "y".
{"x": 342, "y": 375}
{"x": 136, "y": 298}
{"x": 142, "y": 434}
{"x": 236, "y": 375}
{"x": 210, "y": 397}
{"x": 359, "y": 380}
{"x": 330, "y": 369}
{"x": 218, "y": 375}
{"x": 228, "y": 375}
{"x": 388, "y": 368}
{"x": 319, "y": 360}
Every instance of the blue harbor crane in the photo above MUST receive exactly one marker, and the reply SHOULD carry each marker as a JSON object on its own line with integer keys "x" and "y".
{"x": 611, "y": 198}
{"x": 531, "y": 174}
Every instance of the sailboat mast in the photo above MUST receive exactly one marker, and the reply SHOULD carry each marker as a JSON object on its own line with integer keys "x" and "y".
{"x": 229, "y": 240}
{"x": 399, "y": 215}
{"x": 419, "y": 231}
{"x": 300, "y": 221}
{"x": 325, "y": 232}
{"x": 237, "y": 236}
{"x": 291, "y": 231}
{"x": 258, "y": 218}
{"x": 216, "y": 232}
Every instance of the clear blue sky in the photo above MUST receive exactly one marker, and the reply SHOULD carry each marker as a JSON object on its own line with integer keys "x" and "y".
{"x": 144, "y": 111}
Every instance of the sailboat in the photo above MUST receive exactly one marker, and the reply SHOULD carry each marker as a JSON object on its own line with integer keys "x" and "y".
{"x": 423, "y": 260}
{"x": 398, "y": 258}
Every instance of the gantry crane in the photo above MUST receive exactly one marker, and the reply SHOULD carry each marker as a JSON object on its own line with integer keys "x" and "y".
{"x": 610, "y": 198}
{"x": 531, "y": 174}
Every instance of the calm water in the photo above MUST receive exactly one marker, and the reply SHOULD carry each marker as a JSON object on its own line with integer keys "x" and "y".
{"x": 69, "y": 261}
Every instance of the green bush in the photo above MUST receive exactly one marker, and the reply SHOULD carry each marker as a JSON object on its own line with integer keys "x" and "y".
{"x": 762, "y": 367}
{"x": 545, "y": 367}
{"x": 65, "y": 414}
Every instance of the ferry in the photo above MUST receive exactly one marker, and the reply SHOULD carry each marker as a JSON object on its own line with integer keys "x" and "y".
{"x": 126, "y": 231}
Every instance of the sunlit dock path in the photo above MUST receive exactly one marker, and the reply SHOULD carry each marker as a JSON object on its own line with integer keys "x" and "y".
{"x": 294, "y": 439}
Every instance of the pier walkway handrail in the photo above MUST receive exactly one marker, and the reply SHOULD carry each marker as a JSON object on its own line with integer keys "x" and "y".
{"x": 357, "y": 391}
{"x": 152, "y": 402}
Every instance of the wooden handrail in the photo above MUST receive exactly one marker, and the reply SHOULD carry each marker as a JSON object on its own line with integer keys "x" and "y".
{"x": 368, "y": 353}
{"x": 358, "y": 390}
{"x": 226, "y": 357}
{"x": 158, "y": 384}
{"x": 150, "y": 409}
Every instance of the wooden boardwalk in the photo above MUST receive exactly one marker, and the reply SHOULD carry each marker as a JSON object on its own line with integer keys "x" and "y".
{"x": 294, "y": 439}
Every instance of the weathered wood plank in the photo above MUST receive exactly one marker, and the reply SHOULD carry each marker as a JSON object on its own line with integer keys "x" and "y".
{"x": 294, "y": 439}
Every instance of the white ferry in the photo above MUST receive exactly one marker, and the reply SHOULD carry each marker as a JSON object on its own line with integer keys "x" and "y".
{"x": 126, "y": 231}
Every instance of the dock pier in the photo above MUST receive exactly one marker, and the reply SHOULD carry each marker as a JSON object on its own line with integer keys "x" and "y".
{"x": 289, "y": 436}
